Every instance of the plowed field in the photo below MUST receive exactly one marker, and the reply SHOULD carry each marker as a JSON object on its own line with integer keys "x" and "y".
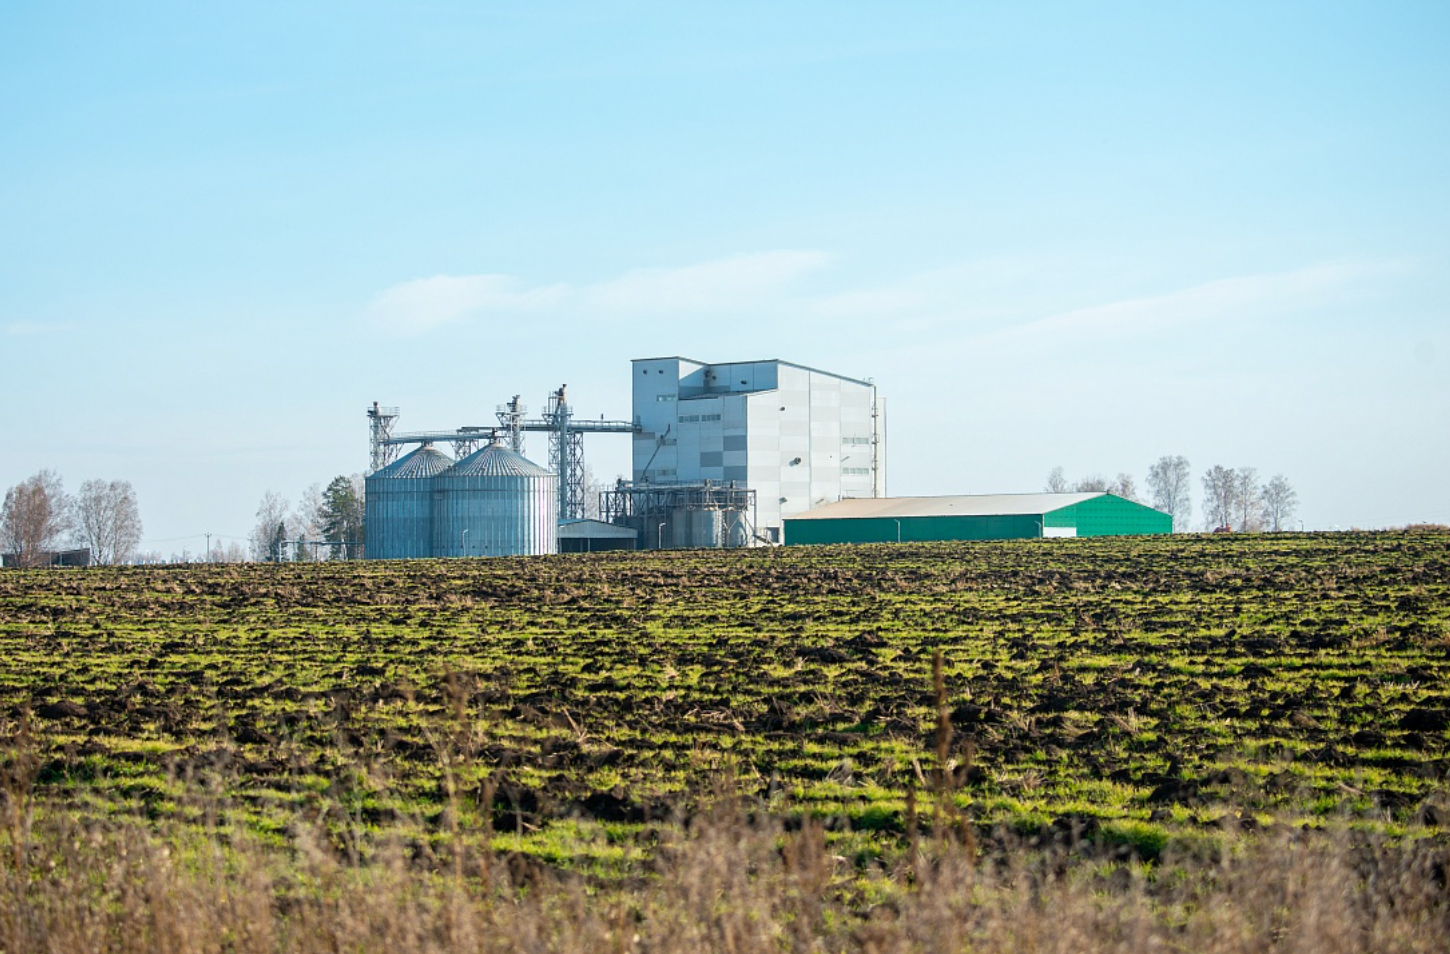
{"x": 1138, "y": 689}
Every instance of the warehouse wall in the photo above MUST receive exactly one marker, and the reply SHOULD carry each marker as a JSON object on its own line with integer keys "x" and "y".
{"x": 1109, "y": 516}
{"x": 913, "y": 529}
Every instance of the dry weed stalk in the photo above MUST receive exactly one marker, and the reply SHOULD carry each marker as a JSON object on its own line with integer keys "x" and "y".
{"x": 18, "y": 771}
{"x": 947, "y": 815}
{"x": 724, "y": 882}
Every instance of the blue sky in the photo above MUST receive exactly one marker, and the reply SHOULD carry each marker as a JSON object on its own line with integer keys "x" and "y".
{"x": 1067, "y": 234}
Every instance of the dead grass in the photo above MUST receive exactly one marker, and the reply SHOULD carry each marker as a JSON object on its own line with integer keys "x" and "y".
{"x": 723, "y": 881}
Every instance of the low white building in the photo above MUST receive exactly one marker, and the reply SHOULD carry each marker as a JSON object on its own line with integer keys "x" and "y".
{"x": 796, "y": 436}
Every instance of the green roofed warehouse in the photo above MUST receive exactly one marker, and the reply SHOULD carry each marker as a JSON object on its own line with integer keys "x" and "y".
{"x": 978, "y": 517}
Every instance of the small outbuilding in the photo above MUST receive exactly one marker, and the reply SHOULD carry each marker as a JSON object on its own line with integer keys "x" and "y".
{"x": 976, "y": 517}
{"x": 592, "y": 536}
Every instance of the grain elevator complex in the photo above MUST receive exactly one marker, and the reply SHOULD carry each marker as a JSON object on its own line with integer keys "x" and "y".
{"x": 735, "y": 454}
{"x": 792, "y": 436}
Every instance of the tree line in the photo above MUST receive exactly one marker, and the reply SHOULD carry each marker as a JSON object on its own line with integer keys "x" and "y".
{"x": 327, "y": 523}
{"x": 39, "y": 520}
{"x": 1233, "y": 497}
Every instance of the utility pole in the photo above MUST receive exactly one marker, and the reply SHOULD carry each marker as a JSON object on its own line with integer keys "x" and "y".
{"x": 208, "y": 548}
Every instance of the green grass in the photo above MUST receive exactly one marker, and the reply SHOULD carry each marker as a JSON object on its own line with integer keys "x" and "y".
{"x": 1108, "y": 679}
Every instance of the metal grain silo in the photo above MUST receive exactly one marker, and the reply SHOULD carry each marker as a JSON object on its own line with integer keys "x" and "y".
{"x": 494, "y": 502}
{"x": 707, "y": 529}
{"x": 399, "y": 504}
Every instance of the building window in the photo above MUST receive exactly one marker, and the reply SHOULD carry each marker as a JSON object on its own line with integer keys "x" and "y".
{"x": 855, "y": 441}
{"x": 856, "y": 471}
{"x": 665, "y": 397}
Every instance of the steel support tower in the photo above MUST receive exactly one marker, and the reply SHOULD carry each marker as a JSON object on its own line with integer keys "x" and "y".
{"x": 566, "y": 441}
{"x": 380, "y": 423}
{"x": 566, "y": 455}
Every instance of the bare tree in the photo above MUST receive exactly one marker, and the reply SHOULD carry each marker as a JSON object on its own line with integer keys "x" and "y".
{"x": 593, "y": 487}
{"x": 1279, "y": 501}
{"x": 269, "y": 534}
{"x": 303, "y": 524}
{"x": 35, "y": 518}
{"x": 1124, "y": 486}
{"x": 1168, "y": 482}
{"x": 1220, "y": 493}
{"x": 1248, "y": 499}
{"x": 107, "y": 520}
{"x": 311, "y": 514}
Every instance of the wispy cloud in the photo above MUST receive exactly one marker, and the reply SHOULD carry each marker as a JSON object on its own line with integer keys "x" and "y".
{"x": 707, "y": 288}
{"x": 1237, "y": 298}
{"x": 423, "y": 305}
{"x": 20, "y": 329}
{"x": 936, "y": 300}
{"x": 983, "y": 303}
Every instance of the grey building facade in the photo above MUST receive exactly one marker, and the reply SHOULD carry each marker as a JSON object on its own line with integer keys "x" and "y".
{"x": 797, "y": 436}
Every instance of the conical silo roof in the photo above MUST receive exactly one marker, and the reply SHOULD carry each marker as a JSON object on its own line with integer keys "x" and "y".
{"x": 496, "y": 460}
{"x": 423, "y": 462}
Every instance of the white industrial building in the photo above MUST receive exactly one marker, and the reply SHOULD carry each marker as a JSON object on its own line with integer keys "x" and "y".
{"x": 795, "y": 436}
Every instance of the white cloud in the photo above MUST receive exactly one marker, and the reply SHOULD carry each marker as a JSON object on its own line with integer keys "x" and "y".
{"x": 1248, "y": 296}
{"x": 427, "y": 303}
{"x": 17, "y": 329}
{"x": 978, "y": 304}
{"x": 708, "y": 288}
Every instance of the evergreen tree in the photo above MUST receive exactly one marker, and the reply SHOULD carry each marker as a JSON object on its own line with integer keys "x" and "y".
{"x": 278, "y": 543}
{"x": 342, "y": 511}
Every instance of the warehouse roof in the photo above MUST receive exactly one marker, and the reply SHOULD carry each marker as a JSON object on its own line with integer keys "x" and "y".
{"x": 594, "y": 530}
{"x": 976, "y": 505}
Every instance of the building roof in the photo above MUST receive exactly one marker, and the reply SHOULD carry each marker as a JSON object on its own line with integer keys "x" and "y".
{"x": 594, "y": 530}
{"x": 788, "y": 364}
{"x": 976, "y": 505}
{"x": 423, "y": 462}
{"x": 496, "y": 460}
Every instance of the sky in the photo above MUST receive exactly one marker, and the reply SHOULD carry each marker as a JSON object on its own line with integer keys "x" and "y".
{"x": 1084, "y": 235}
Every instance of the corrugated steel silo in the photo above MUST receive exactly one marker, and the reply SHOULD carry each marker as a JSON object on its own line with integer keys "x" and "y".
{"x": 495, "y": 502}
{"x": 399, "y": 505}
{"x": 706, "y": 529}
{"x": 678, "y": 532}
{"x": 737, "y": 534}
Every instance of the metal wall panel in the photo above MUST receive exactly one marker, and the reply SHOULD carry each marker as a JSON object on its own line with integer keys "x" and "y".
{"x": 783, "y": 430}
{"x": 1110, "y": 515}
{"x": 495, "y": 503}
{"x": 398, "y": 503}
{"x": 912, "y": 529}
